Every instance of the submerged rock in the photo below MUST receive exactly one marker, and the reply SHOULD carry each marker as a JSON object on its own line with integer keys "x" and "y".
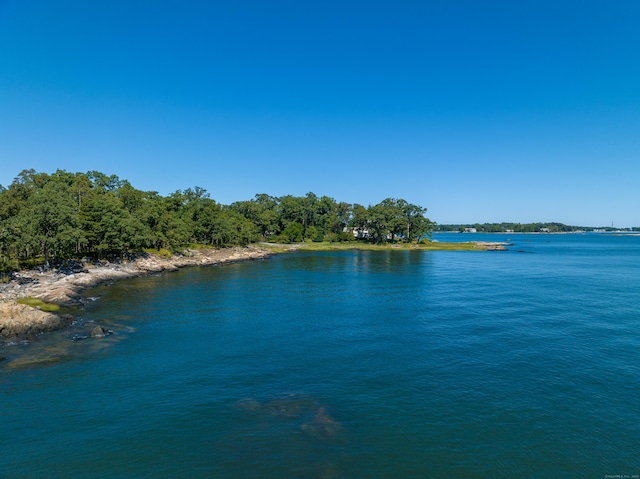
{"x": 297, "y": 408}
{"x": 249, "y": 404}
{"x": 322, "y": 426}
{"x": 291, "y": 405}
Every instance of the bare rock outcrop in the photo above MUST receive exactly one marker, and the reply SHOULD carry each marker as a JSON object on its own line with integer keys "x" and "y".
{"x": 22, "y": 320}
{"x": 492, "y": 246}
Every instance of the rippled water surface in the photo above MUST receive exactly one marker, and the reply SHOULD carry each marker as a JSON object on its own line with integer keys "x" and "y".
{"x": 524, "y": 363}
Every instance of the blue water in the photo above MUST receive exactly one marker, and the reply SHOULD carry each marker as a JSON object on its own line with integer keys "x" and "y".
{"x": 523, "y": 363}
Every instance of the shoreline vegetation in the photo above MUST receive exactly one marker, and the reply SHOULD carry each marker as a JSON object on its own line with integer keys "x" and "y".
{"x": 61, "y": 233}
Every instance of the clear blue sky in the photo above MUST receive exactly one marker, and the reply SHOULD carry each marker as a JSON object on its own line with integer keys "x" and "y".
{"x": 480, "y": 111}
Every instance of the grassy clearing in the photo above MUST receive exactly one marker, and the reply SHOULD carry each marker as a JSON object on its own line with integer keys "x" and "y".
{"x": 165, "y": 253}
{"x": 278, "y": 247}
{"x": 39, "y": 304}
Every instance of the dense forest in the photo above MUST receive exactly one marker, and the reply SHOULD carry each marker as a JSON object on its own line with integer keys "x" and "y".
{"x": 48, "y": 218}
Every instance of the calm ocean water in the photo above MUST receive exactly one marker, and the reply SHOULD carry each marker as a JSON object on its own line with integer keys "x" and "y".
{"x": 523, "y": 363}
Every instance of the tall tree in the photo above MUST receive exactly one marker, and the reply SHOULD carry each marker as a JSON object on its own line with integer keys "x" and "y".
{"x": 51, "y": 218}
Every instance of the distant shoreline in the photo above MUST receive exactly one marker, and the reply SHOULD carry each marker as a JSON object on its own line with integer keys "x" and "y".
{"x": 581, "y": 232}
{"x": 515, "y": 232}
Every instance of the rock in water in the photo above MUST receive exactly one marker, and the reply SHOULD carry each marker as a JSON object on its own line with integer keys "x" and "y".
{"x": 98, "y": 332}
{"x": 322, "y": 426}
{"x": 291, "y": 405}
{"x": 249, "y": 404}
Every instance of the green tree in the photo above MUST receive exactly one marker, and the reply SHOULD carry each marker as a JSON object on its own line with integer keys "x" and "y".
{"x": 418, "y": 225}
{"x": 261, "y": 211}
{"x": 360, "y": 220}
{"x": 379, "y": 222}
{"x": 291, "y": 209}
{"x": 107, "y": 226}
{"x": 293, "y": 233}
{"x": 51, "y": 219}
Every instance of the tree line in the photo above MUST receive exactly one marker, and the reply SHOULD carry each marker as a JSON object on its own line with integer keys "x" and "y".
{"x": 47, "y": 218}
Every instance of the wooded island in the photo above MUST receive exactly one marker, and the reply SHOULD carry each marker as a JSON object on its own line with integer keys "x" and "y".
{"x": 48, "y": 218}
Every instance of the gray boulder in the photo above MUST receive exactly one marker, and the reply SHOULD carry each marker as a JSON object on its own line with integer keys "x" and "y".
{"x": 98, "y": 332}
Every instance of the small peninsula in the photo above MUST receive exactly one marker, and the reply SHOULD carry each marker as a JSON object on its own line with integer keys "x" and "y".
{"x": 61, "y": 233}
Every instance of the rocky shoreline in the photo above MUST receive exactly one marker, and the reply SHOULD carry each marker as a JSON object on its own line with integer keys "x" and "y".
{"x": 64, "y": 287}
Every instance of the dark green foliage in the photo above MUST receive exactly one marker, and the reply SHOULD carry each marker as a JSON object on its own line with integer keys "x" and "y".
{"x": 390, "y": 220}
{"x": 346, "y": 236}
{"x": 322, "y": 218}
{"x": 311, "y": 233}
{"x": 46, "y": 219}
{"x": 292, "y": 233}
